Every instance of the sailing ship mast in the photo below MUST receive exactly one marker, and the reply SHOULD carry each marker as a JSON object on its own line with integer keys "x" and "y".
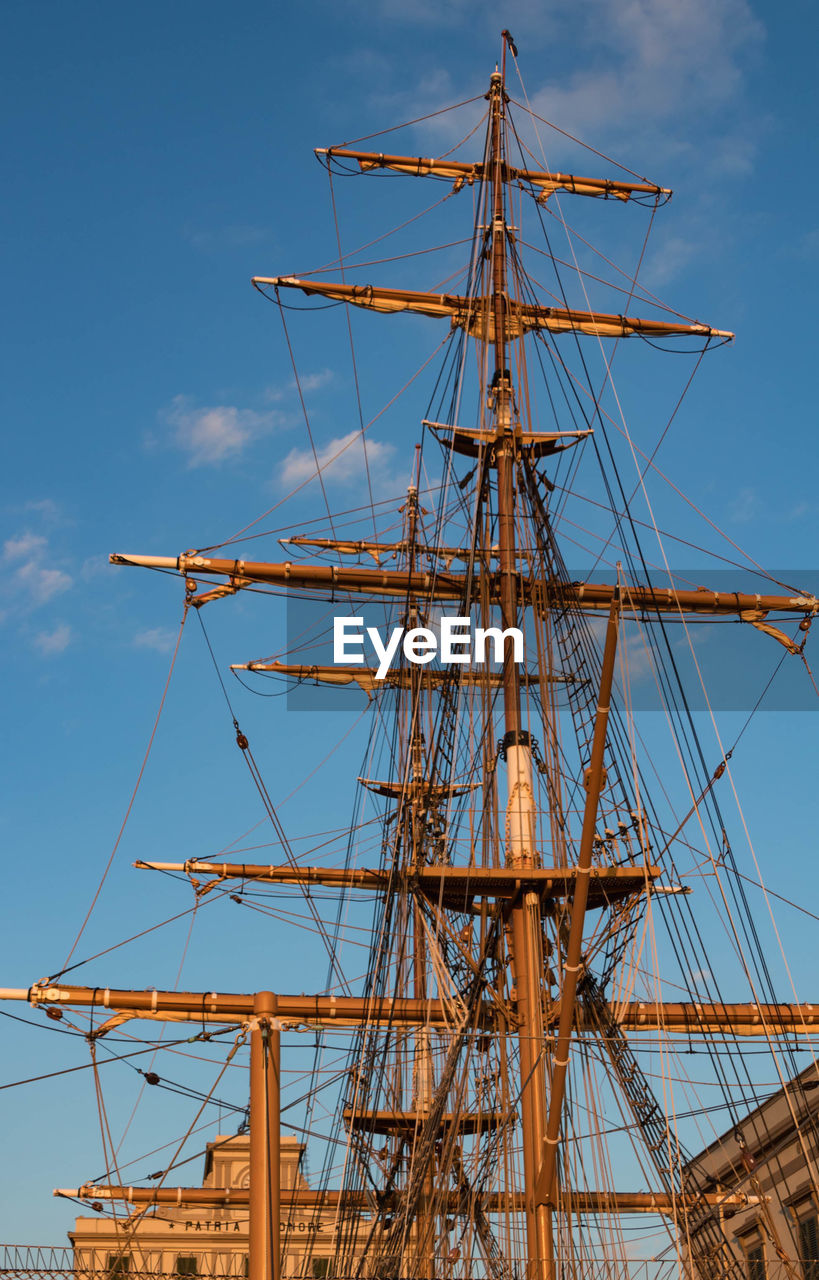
{"x": 472, "y": 945}
{"x": 527, "y": 945}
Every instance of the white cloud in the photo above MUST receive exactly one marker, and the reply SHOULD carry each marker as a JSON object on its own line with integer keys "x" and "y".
{"x": 653, "y": 61}
{"x": 746, "y": 506}
{"x": 313, "y": 381}
{"x": 35, "y": 580}
{"x": 308, "y": 382}
{"x": 341, "y": 460}
{"x": 214, "y": 434}
{"x": 40, "y": 583}
{"x": 669, "y": 258}
{"x": 53, "y": 642}
{"x": 432, "y": 93}
{"x": 801, "y": 509}
{"x": 694, "y": 638}
{"x": 46, "y": 509}
{"x": 160, "y": 639}
{"x": 24, "y": 546}
{"x": 641, "y": 72}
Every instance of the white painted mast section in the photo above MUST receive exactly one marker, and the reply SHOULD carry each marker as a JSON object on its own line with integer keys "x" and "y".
{"x": 520, "y": 803}
{"x": 520, "y": 807}
{"x": 146, "y": 562}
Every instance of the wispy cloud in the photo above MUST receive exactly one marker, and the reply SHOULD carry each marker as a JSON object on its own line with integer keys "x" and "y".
{"x": 40, "y": 583}
{"x": 636, "y": 662}
{"x": 35, "y": 579}
{"x": 342, "y": 460}
{"x": 432, "y": 93}
{"x": 24, "y": 546}
{"x": 308, "y": 383}
{"x": 315, "y": 381}
{"x": 160, "y": 639}
{"x": 800, "y": 510}
{"x": 640, "y": 72}
{"x": 651, "y": 63}
{"x": 745, "y": 507}
{"x": 668, "y": 259}
{"x": 56, "y": 641}
{"x": 214, "y": 434}
{"x": 46, "y": 509}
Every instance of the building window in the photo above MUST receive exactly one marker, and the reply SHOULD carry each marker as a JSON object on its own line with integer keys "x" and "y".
{"x": 186, "y": 1264}
{"x": 119, "y": 1264}
{"x": 321, "y": 1268}
{"x": 755, "y": 1259}
{"x": 809, "y": 1246}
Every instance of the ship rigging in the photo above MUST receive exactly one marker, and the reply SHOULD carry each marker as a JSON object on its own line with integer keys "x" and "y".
{"x": 524, "y": 869}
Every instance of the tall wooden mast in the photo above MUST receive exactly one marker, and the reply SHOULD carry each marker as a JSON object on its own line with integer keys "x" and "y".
{"x": 527, "y": 957}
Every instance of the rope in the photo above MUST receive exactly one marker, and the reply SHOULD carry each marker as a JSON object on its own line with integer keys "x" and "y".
{"x": 137, "y": 784}
{"x": 255, "y": 773}
{"x": 406, "y": 124}
{"x": 306, "y": 416}
{"x": 298, "y": 488}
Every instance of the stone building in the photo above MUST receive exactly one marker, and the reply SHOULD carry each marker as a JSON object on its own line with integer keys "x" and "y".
{"x": 773, "y": 1156}
{"x": 187, "y": 1241}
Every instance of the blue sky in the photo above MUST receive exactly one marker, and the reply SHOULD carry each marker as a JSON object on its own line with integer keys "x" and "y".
{"x": 155, "y": 157}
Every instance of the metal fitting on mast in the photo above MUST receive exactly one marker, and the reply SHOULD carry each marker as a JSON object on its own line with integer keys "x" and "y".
{"x": 501, "y": 400}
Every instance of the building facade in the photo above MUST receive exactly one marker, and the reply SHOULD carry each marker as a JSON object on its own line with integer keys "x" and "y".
{"x": 772, "y": 1156}
{"x": 196, "y": 1241}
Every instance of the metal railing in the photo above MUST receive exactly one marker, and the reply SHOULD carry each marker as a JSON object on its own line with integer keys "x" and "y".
{"x": 39, "y": 1262}
{"x": 45, "y": 1262}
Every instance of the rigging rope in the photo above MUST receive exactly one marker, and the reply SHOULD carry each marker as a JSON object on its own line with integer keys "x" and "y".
{"x": 140, "y": 775}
